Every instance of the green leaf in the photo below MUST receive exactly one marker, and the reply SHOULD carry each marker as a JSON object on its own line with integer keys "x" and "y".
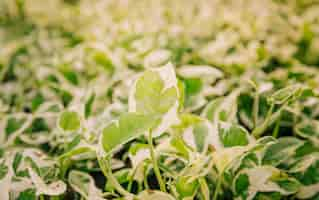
{"x": 16, "y": 161}
{"x": 66, "y": 159}
{"x": 186, "y": 188}
{"x": 180, "y": 146}
{"x": 88, "y": 106}
{"x": 13, "y": 125}
{"x": 211, "y": 109}
{"x": 134, "y": 148}
{"x": 54, "y": 188}
{"x": 245, "y": 110}
{"x": 309, "y": 130}
{"x": 71, "y": 76}
{"x": 66, "y": 97}
{"x": 187, "y": 120}
{"x": 290, "y": 185}
{"x": 268, "y": 196}
{"x": 195, "y": 132}
{"x": 306, "y": 149}
{"x": 233, "y": 135}
{"x": 201, "y": 133}
{"x": 84, "y": 184}
{"x": 28, "y": 194}
{"x": 122, "y": 176}
{"x": 193, "y": 86}
{"x": 3, "y": 170}
{"x": 283, "y": 95}
{"x": 245, "y": 161}
{"x": 306, "y": 170}
{"x": 218, "y": 110}
{"x": 38, "y": 125}
{"x": 103, "y": 60}
{"x": 150, "y": 95}
{"x": 205, "y": 191}
{"x": 37, "y": 101}
{"x": 75, "y": 141}
{"x": 80, "y": 182}
{"x": 249, "y": 182}
{"x": 128, "y": 127}
{"x": 281, "y": 150}
{"x": 69, "y": 121}
{"x": 241, "y": 185}
{"x": 154, "y": 195}
{"x": 156, "y": 93}
{"x": 1, "y": 152}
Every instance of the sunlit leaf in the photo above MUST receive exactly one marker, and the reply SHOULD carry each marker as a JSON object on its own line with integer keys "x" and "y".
{"x": 186, "y": 188}
{"x": 233, "y": 135}
{"x": 156, "y": 93}
{"x": 128, "y": 127}
{"x": 69, "y": 121}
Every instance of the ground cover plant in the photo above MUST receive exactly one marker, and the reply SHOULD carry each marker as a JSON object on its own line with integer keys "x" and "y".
{"x": 159, "y": 100}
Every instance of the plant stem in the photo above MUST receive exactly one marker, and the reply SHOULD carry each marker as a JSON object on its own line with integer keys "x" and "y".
{"x": 105, "y": 164}
{"x": 276, "y": 130}
{"x": 204, "y": 188}
{"x": 130, "y": 183}
{"x": 270, "y": 118}
{"x": 260, "y": 129}
{"x": 219, "y": 180}
{"x": 256, "y": 109}
{"x": 140, "y": 187}
{"x": 154, "y": 161}
{"x": 145, "y": 181}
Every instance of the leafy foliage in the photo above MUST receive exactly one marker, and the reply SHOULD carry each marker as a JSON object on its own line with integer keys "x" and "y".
{"x": 159, "y": 100}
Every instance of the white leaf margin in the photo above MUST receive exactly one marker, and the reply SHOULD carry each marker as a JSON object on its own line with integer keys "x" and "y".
{"x": 52, "y": 189}
{"x": 167, "y": 74}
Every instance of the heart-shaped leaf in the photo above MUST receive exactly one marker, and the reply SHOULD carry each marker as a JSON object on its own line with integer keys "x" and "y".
{"x": 156, "y": 93}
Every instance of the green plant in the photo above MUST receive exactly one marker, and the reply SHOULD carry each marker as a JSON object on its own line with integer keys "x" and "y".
{"x": 159, "y": 100}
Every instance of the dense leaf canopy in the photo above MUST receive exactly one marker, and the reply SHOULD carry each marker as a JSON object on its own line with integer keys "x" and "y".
{"x": 159, "y": 99}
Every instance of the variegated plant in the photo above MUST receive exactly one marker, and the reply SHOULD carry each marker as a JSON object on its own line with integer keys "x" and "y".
{"x": 159, "y": 100}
